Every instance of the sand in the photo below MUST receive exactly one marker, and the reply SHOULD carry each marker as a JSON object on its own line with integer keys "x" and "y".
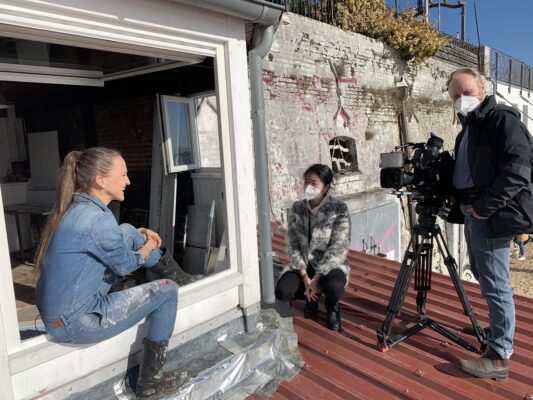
{"x": 522, "y": 273}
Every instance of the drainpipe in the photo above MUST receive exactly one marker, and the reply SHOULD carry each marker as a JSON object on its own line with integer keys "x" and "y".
{"x": 262, "y": 40}
{"x": 265, "y": 14}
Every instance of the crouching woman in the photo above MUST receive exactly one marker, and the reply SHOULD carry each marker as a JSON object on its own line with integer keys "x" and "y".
{"x": 83, "y": 250}
{"x": 318, "y": 242}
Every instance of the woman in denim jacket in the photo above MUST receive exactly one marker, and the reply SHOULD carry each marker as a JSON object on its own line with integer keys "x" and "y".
{"x": 318, "y": 239}
{"x": 83, "y": 249}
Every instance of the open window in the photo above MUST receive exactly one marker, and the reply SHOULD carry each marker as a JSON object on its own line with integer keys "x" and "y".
{"x": 180, "y": 136}
{"x": 121, "y": 107}
{"x": 193, "y": 179}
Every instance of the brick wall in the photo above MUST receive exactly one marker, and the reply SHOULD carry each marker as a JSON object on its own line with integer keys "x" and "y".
{"x": 127, "y": 125}
{"x": 322, "y": 82}
{"x": 460, "y": 53}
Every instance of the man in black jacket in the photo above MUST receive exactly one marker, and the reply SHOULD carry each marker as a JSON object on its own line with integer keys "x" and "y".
{"x": 492, "y": 178}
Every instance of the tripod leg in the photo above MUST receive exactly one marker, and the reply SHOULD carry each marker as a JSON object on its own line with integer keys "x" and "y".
{"x": 418, "y": 259}
{"x": 451, "y": 264}
{"x": 423, "y": 276}
{"x": 421, "y": 302}
{"x": 400, "y": 289}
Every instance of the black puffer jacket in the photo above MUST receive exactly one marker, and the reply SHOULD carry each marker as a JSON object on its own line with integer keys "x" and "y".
{"x": 500, "y": 155}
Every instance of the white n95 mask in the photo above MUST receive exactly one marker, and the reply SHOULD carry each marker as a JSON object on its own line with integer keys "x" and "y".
{"x": 312, "y": 192}
{"x": 466, "y": 104}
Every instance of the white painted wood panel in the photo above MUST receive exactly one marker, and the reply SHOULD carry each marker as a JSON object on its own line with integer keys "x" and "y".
{"x": 163, "y": 25}
{"x": 16, "y": 193}
{"x": 8, "y": 308}
{"x": 119, "y": 367}
{"x": 162, "y": 29}
{"x": 5, "y": 372}
{"x": 79, "y": 360}
{"x": 238, "y": 162}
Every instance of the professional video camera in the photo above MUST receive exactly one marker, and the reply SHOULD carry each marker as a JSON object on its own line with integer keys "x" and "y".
{"x": 426, "y": 175}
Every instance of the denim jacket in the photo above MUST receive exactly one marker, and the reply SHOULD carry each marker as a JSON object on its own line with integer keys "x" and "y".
{"x": 84, "y": 255}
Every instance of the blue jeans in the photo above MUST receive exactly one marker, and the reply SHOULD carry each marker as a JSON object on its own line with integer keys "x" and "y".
{"x": 489, "y": 260}
{"x": 105, "y": 315}
{"x": 521, "y": 248}
{"x": 134, "y": 240}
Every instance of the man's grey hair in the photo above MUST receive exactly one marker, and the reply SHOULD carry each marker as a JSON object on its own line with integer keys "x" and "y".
{"x": 468, "y": 71}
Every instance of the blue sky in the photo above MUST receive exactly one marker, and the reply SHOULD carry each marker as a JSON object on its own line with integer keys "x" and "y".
{"x": 503, "y": 25}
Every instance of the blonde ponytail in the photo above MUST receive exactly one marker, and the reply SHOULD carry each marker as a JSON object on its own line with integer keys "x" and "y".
{"x": 77, "y": 173}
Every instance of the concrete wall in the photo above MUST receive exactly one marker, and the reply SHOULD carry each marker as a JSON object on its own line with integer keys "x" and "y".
{"x": 208, "y": 135}
{"x": 322, "y": 82}
{"x": 521, "y": 99}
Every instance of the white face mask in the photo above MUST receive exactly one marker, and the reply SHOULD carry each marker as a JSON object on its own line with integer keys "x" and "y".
{"x": 312, "y": 192}
{"x": 466, "y": 104}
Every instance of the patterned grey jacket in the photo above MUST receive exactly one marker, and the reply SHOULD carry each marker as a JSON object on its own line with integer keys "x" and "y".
{"x": 330, "y": 239}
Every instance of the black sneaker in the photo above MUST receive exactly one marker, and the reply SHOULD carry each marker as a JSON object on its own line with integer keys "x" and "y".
{"x": 310, "y": 309}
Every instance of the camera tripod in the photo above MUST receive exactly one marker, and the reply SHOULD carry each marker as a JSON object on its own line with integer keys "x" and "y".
{"x": 418, "y": 260}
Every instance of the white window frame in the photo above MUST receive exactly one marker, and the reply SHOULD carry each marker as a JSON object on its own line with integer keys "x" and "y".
{"x": 158, "y": 29}
{"x": 168, "y": 148}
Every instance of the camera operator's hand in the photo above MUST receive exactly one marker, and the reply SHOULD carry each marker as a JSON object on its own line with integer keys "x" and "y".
{"x": 477, "y": 216}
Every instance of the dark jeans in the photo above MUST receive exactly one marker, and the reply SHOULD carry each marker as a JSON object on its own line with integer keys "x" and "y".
{"x": 291, "y": 287}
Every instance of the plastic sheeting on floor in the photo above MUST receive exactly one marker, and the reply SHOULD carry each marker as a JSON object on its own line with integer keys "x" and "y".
{"x": 260, "y": 362}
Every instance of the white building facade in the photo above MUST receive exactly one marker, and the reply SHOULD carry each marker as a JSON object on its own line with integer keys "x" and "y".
{"x": 159, "y": 29}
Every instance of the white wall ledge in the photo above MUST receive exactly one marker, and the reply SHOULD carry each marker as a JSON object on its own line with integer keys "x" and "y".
{"x": 39, "y": 350}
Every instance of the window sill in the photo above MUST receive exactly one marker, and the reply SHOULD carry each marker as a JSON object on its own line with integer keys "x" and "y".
{"x": 348, "y": 183}
{"x": 43, "y": 348}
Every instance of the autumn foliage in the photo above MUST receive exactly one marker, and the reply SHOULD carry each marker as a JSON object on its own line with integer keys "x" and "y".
{"x": 416, "y": 40}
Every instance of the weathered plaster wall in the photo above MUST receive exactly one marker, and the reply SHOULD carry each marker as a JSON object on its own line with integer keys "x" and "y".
{"x": 322, "y": 82}
{"x": 208, "y": 135}
{"x": 522, "y": 100}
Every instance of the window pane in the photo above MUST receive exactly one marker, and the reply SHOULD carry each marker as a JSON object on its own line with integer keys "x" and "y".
{"x": 27, "y": 52}
{"x": 179, "y": 130}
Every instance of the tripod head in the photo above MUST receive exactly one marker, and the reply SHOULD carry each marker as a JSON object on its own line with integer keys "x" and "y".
{"x": 427, "y": 215}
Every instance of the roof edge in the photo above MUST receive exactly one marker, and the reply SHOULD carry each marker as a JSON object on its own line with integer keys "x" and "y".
{"x": 258, "y": 11}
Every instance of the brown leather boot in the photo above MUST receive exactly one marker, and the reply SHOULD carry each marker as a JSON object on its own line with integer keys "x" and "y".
{"x": 489, "y": 365}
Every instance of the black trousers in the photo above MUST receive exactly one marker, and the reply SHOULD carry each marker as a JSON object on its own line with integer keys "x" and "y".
{"x": 291, "y": 287}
